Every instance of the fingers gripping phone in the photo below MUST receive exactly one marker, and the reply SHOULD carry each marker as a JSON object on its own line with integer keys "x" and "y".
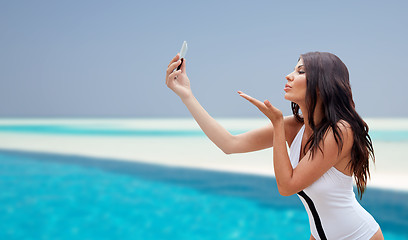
{"x": 183, "y": 52}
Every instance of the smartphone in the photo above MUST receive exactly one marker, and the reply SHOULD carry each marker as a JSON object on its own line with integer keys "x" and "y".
{"x": 183, "y": 52}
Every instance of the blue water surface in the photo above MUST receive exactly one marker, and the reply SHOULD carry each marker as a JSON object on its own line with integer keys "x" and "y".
{"x": 48, "y": 196}
{"x": 379, "y": 135}
{"x": 48, "y": 200}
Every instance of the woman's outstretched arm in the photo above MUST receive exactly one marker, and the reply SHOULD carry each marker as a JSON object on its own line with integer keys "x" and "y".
{"x": 247, "y": 142}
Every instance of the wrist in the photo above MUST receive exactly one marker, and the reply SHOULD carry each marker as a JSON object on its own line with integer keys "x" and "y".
{"x": 187, "y": 97}
{"x": 277, "y": 122}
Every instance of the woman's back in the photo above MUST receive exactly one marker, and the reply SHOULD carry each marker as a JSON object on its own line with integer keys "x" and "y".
{"x": 333, "y": 210}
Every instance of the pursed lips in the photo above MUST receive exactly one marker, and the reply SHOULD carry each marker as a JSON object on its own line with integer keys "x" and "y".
{"x": 287, "y": 87}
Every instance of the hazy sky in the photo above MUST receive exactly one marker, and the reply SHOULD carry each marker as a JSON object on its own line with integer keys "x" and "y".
{"x": 108, "y": 58}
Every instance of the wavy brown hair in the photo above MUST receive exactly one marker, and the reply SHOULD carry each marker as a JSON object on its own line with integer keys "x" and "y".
{"x": 328, "y": 78}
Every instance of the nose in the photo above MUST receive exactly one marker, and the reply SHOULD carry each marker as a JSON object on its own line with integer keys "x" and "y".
{"x": 289, "y": 77}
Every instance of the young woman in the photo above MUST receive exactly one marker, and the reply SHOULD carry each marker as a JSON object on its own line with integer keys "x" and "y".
{"x": 329, "y": 143}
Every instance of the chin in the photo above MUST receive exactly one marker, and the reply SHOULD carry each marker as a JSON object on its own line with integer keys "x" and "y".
{"x": 291, "y": 98}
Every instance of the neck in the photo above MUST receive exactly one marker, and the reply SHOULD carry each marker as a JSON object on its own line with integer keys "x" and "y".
{"x": 317, "y": 116}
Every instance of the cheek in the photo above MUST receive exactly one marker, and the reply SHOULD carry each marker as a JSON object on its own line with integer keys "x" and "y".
{"x": 300, "y": 82}
{"x": 302, "y": 79}
{"x": 300, "y": 86}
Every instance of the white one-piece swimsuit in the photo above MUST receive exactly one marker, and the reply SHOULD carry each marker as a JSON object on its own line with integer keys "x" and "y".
{"x": 330, "y": 202}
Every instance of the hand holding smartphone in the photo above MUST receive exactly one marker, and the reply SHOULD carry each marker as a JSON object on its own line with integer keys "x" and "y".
{"x": 183, "y": 52}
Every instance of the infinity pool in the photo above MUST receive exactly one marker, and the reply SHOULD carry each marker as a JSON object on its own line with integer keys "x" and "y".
{"x": 49, "y": 196}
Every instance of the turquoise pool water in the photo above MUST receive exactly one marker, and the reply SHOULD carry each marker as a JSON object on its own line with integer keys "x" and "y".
{"x": 46, "y": 196}
{"x": 381, "y": 135}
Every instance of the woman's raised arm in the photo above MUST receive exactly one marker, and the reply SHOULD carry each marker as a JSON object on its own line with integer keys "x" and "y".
{"x": 254, "y": 140}
{"x": 178, "y": 81}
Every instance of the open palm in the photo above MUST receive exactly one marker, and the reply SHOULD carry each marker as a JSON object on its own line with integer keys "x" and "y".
{"x": 266, "y": 107}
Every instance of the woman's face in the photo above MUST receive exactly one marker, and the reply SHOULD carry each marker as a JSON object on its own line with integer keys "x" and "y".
{"x": 295, "y": 88}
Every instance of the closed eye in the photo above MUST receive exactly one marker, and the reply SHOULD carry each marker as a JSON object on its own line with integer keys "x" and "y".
{"x": 301, "y": 72}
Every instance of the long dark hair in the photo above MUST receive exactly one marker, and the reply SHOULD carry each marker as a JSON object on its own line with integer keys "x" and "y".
{"x": 327, "y": 77}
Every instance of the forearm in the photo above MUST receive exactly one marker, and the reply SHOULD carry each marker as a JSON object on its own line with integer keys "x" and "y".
{"x": 281, "y": 162}
{"x": 214, "y": 131}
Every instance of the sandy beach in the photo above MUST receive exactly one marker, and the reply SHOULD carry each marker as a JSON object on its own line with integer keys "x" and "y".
{"x": 188, "y": 151}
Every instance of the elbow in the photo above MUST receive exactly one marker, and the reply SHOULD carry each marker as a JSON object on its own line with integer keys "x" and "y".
{"x": 284, "y": 193}
{"x": 227, "y": 151}
{"x": 285, "y": 190}
{"x": 229, "y": 148}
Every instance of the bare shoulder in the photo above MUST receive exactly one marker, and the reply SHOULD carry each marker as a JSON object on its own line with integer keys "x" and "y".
{"x": 292, "y": 127}
{"x": 344, "y": 125}
{"x": 345, "y": 130}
